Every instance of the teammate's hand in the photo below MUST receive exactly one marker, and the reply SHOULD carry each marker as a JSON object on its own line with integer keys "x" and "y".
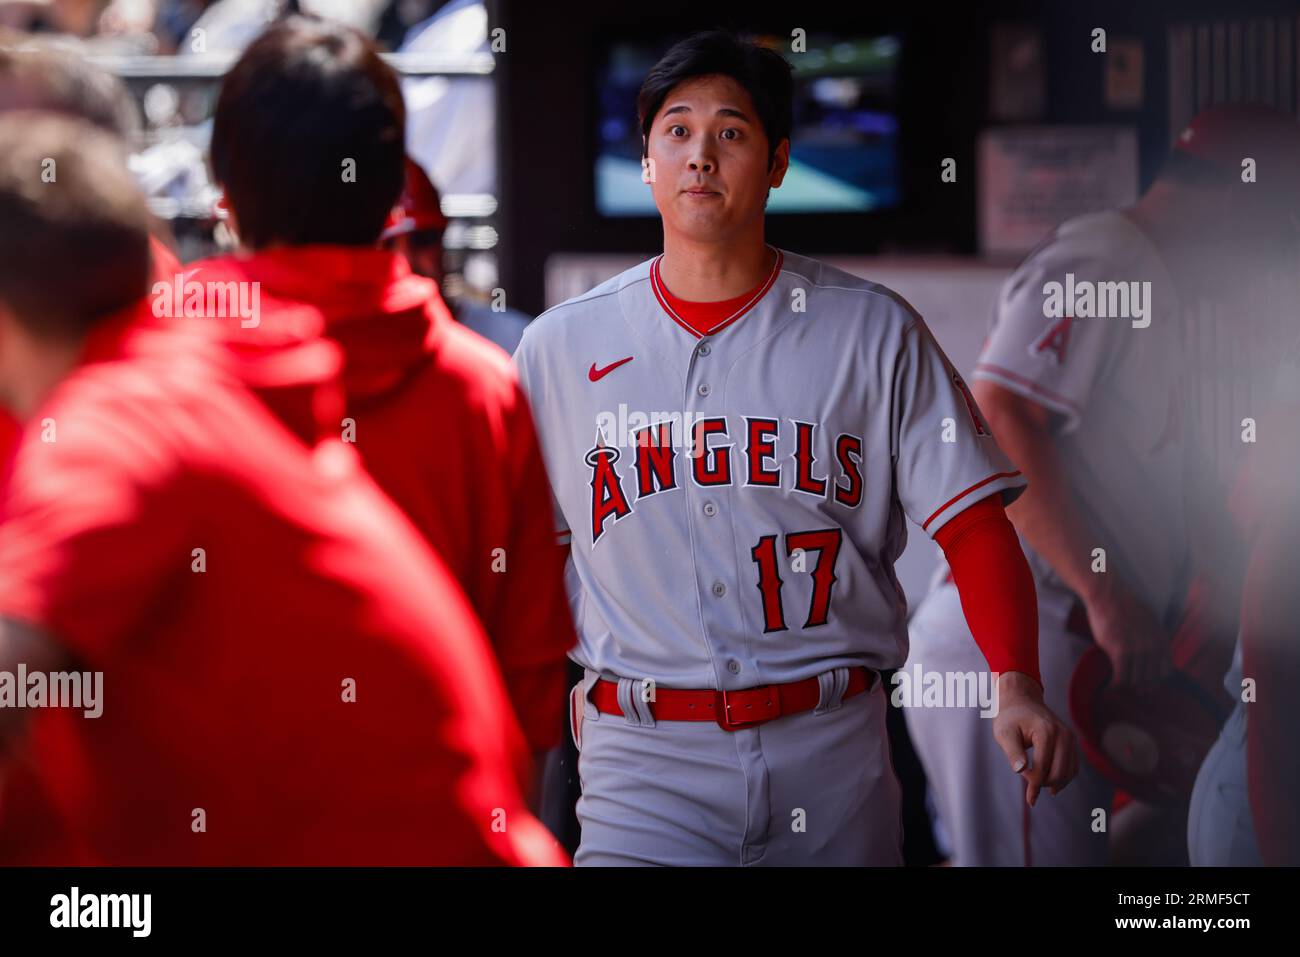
{"x": 1131, "y": 635}
{"x": 1023, "y": 721}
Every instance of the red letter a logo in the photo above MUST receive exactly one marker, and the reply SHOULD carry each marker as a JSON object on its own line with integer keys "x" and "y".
{"x": 606, "y": 491}
{"x": 1053, "y": 343}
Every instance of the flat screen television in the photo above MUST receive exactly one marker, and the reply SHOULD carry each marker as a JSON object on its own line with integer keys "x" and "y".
{"x": 844, "y": 155}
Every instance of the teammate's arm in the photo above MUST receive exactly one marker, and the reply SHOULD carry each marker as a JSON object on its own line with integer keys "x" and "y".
{"x": 1048, "y": 518}
{"x": 540, "y": 634}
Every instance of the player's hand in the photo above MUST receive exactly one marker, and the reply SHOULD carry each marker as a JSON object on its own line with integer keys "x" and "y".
{"x": 1131, "y": 635}
{"x": 1023, "y": 721}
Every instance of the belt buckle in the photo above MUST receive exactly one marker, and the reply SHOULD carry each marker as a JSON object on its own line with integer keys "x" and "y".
{"x": 724, "y": 718}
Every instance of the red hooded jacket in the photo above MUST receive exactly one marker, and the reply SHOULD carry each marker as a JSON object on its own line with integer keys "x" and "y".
{"x": 439, "y": 419}
{"x": 225, "y": 690}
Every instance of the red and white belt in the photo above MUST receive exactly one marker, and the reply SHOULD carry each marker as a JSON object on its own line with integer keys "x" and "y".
{"x": 731, "y": 710}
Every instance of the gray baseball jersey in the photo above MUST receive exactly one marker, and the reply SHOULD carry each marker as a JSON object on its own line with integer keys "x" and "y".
{"x": 1120, "y": 434}
{"x": 735, "y": 502}
{"x": 1114, "y": 383}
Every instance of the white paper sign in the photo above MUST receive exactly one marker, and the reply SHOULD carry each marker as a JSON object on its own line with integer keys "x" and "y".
{"x": 1031, "y": 179}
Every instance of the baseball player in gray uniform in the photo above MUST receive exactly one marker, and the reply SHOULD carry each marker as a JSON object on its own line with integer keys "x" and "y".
{"x": 1097, "y": 399}
{"x": 735, "y": 437}
{"x": 1119, "y": 420}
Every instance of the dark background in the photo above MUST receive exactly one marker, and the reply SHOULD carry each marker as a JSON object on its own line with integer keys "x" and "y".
{"x": 547, "y": 106}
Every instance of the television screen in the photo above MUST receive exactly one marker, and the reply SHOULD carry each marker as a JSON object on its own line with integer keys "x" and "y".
{"x": 844, "y": 151}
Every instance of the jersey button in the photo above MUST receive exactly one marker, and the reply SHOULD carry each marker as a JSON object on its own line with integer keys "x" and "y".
{"x": 719, "y": 589}
{"x": 704, "y": 388}
{"x": 710, "y": 509}
{"x": 733, "y": 666}
{"x": 703, "y": 350}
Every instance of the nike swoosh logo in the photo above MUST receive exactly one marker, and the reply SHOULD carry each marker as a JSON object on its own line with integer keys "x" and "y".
{"x": 595, "y": 374}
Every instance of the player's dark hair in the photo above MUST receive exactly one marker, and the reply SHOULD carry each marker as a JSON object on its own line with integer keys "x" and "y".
{"x": 74, "y": 227}
{"x": 308, "y": 136}
{"x": 764, "y": 74}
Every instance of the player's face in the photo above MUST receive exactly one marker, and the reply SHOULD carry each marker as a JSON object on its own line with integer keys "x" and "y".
{"x": 708, "y": 160}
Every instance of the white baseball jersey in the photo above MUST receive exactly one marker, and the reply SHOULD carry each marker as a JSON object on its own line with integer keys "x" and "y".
{"x": 1121, "y": 435}
{"x": 824, "y": 414}
{"x": 1115, "y": 386}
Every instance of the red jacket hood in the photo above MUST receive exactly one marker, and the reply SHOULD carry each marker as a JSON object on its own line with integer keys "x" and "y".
{"x": 384, "y": 318}
{"x": 287, "y": 362}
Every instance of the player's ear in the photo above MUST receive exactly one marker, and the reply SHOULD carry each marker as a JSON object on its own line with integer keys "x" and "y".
{"x": 780, "y": 163}
{"x": 226, "y": 214}
{"x": 647, "y": 167}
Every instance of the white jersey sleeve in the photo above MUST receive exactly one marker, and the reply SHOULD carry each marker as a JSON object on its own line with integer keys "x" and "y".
{"x": 945, "y": 456}
{"x": 1054, "y": 361}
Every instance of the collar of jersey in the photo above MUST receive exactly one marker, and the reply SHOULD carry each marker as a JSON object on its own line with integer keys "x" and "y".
{"x": 660, "y": 291}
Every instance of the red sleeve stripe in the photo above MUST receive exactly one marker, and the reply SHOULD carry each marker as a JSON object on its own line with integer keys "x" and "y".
{"x": 1029, "y": 384}
{"x": 960, "y": 495}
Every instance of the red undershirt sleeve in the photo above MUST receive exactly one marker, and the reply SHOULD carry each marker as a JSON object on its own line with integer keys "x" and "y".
{"x": 995, "y": 585}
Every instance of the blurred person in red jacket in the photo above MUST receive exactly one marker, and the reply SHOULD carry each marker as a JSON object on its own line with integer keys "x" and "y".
{"x": 219, "y": 645}
{"x": 36, "y": 76}
{"x": 307, "y": 145}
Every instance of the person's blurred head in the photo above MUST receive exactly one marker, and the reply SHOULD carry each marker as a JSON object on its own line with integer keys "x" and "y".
{"x": 74, "y": 242}
{"x": 1228, "y": 194}
{"x": 39, "y": 76}
{"x": 716, "y": 117}
{"x": 416, "y": 223}
{"x": 308, "y": 137}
